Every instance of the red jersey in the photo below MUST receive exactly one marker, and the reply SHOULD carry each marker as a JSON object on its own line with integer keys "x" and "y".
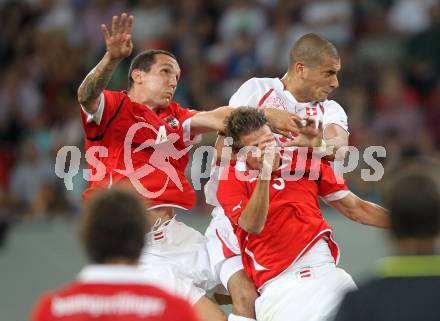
{"x": 294, "y": 222}
{"x": 148, "y": 146}
{"x": 112, "y": 293}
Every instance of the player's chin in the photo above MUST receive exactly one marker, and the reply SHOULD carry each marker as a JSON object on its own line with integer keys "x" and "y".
{"x": 322, "y": 96}
{"x": 165, "y": 101}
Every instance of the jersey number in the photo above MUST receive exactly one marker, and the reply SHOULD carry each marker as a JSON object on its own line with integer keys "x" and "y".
{"x": 279, "y": 183}
{"x": 161, "y": 135}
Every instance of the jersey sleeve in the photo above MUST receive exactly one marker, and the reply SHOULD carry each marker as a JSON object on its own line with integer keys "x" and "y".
{"x": 184, "y": 115}
{"x": 232, "y": 196}
{"x": 42, "y": 311}
{"x": 330, "y": 186}
{"x": 95, "y": 123}
{"x": 97, "y": 116}
{"x": 334, "y": 114}
{"x": 246, "y": 95}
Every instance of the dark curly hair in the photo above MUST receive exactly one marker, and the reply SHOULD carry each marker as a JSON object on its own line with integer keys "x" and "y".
{"x": 114, "y": 226}
{"x": 243, "y": 121}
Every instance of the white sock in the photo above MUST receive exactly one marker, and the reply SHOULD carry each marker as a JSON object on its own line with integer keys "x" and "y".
{"x": 233, "y": 317}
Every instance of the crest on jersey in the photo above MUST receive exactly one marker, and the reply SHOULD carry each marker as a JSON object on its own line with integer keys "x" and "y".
{"x": 275, "y": 102}
{"x": 173, "y": 122}
{"x": 311, "y": 111}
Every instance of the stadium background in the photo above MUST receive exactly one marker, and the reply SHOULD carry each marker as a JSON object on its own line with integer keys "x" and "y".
{"x": 389, "y": 87}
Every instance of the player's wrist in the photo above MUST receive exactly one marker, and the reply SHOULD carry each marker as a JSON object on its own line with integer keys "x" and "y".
{"x": 265, "y": 172}
{"x": 322, "y": 148}
{"x": 111, "y": 60}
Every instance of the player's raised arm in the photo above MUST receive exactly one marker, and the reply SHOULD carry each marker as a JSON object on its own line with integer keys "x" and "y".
{"x": 309, "y": 135}
{"x": 281, "y": 121}
{"x": 362, "y": 211}
{"x": 336, "y": 139}
{"x": 213, "y": 120}
{"x": 253, "y": 218}
{"x": 119, "y": 46}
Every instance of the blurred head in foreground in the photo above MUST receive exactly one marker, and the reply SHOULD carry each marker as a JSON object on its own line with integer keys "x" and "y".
{"x": 407, "y": 284}
{"x": 413, "y": 198}
{"x": 113, "y": 227}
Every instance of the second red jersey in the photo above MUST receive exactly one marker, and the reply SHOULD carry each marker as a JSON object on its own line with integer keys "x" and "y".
{"x": 294, "y": 222}
{"x": 111, "y": 293}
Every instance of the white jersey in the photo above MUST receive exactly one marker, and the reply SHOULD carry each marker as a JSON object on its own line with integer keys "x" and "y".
{"x": 270, "y": 92}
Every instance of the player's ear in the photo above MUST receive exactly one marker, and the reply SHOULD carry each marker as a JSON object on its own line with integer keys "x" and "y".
{"x": 136, "y": 75}
{"x": 300, "y": 69}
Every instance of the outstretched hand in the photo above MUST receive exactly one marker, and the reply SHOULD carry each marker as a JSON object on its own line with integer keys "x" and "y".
{"x": 282, "y": 122}
{"x": 310, "y": 135}
{"x": 118, "y": 40}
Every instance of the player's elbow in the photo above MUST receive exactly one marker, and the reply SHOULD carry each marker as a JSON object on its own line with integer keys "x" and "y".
{"x": 91, "y": 105}
{"x": 81, "y": 96}
{"x": 254, "y": 228}
{"x": 255, "y": 231}
{"x": 339, "y": 151}
{"x": 251, "y": 226}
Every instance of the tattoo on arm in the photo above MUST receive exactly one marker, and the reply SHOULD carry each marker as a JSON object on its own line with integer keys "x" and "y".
{"x": 95, "y": 82}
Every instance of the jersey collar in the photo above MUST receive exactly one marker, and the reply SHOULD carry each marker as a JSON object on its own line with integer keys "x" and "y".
{"x": 113, "y": 274}
{"x": 279, "y": 86}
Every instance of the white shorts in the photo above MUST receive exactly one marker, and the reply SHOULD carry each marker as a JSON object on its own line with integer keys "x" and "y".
{"x": 176, "y": 256}
{"x": 223, "y": 248}
{"x": 311, "y": 294}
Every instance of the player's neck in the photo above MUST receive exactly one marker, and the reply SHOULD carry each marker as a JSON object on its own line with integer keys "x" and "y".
{"x": 413, "y": 246}
{"x": 140, "y": 97}
{"x": 293, "y": 87}
{"x": 120, "y": 261}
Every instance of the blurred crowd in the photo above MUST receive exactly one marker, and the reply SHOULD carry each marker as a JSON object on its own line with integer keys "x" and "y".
{"x": 389, "y": 82}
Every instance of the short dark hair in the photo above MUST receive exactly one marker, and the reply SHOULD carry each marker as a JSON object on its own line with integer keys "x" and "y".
{"x": 144, "y": 61}
{"x": 311, "y": 49}
{"x": 113, "y": 226}
{"x": 243, "y": 121}
{"x": 413, "y": 198}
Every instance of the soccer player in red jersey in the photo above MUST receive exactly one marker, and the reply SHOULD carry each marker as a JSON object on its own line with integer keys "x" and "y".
{"x": 312, "y": 74}
{"x": 112, "y": 288}
{"x": 287, "y": 247}
{"x": 143, "y": 136}
{"x": 135, "y": 126}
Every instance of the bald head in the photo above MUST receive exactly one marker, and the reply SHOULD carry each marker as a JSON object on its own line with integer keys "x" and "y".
{"x": 314, "y": 64}
{"x": 311, "y": 49}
